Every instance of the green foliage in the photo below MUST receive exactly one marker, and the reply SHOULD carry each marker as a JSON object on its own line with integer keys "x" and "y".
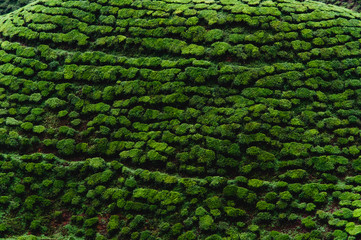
{"x": 264, "y": 206}
{"x": 225, "y": 115}
{"x": 234, "y": 212}
{"x": 295, "y": 149}
{"x": 54, "y": 103}
{"x": 38, "y": 129}
{"x": 220, "y": 48}
{"x": 213, "y": 35}
{"x": 214, "y": 237}
{"x": 28, "y": 237}
{"x": 356, "y": 164}
{"x": 200, "y": 211}
{"x": 176, "y": 229}
{"x": 19, "y": 189}
{"x": 91, "y": 222}
{"x": 195, "y": 33}
{"x": 214, "y": 202}
{"x": 296, "y": 174}
{"x": 353, "y": 229}
{"x": 286, "y": 196}
{"x": 130, "y": 182}
{"x": 12, "y": 121}
{"x": 193, "y": 49}
{"x": 205, "y": 222}
{"x": 137, "y": 222}
{"x": 255, "y": 183}
{"x": 309, "y": 223}
{"x": 66, "y": 147}
{"x": 113, "y": 224}
{"x": 189, "y": 235}
{"x": 96, "y": 163}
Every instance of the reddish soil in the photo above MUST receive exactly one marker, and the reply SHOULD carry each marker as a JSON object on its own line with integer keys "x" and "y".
{"x": 61, "y": 221}
{"x": 289, "y": 226}
{"x": 103, "y": 222}
{"x": 332, "y": 207}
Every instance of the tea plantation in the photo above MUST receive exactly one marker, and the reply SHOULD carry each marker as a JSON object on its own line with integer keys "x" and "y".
{"x": 180, "y": 119}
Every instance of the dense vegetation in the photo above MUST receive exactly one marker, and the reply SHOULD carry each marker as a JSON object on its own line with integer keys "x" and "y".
{"x": 354, "y": 5}
{"x": 7, "y": 6}
{"x": 180, "y": 119}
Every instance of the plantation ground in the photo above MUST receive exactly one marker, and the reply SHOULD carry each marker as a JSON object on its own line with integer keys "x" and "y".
{"x": 180, "y": 119}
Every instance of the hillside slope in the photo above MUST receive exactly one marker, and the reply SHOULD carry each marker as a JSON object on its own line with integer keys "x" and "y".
{"x": 180, "y": 119}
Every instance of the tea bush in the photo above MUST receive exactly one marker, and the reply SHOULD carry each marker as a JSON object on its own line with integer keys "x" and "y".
{"x": 66, "y": 147}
